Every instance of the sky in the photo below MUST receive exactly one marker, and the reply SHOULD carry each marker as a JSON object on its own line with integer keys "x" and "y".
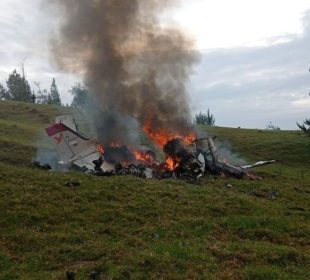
{"x": 254, "y": 56}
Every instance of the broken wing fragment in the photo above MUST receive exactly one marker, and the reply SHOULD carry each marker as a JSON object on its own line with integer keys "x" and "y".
{"x": 218, "y": 167}
{"x": 257, "y": 164}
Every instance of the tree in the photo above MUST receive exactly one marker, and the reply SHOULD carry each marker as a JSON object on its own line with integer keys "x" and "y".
{"x": 4, "y": 94}
{"x": 305, "y": 127}
{"x": 205, "y": 119}
{"x": 54, "y": 94}
{"x": 45, "y": 97}
{"x": 81, "y": 96}
{"x": 41, "y": 95}
{"x": 19, "y": 88}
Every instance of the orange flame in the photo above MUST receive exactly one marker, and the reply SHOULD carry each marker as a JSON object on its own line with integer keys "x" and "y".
{"x": 145, "y": 157}
{"x": 142, "y": 156}
{"x": 100, "y": 149}
{"x": 162, "y": 137}
{"x": 190, "y": 139}
{"x": 115, "y": 144}
{"x": 171, "y": 164}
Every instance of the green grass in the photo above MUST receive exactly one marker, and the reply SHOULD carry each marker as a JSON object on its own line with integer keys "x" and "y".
{"x": 130, "y": 228}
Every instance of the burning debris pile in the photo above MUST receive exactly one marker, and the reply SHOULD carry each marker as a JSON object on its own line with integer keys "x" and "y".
{"x": 187, "y": 157}
{"x": 181, "y": 160}
{"x": 145, "y": 164}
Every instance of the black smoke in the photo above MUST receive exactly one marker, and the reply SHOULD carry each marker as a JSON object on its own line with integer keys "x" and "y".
{"x": 136, "y": 69}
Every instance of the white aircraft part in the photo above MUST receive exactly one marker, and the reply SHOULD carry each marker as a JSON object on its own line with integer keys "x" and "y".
{"x": 107, "y": 166}
{"x": 68, "y": 121}
{"x": 72, "y": 147}
{"x": 213, "y": 150}
{"x": 202, "y": 161}
{"x": 86, "y": 161}
{"x": 148, "y": 173}
{"x": 259, "y": 163}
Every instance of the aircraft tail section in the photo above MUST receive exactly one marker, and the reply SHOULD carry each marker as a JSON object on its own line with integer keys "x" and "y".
{"x": 67, "y": 120}
{"x": 73, "y": 147}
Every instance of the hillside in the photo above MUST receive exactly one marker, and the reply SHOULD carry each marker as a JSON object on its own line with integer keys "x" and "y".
{"x": 130, "y": 228}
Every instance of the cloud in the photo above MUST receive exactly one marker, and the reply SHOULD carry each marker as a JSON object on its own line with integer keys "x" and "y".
{"x": 251, "y": 86}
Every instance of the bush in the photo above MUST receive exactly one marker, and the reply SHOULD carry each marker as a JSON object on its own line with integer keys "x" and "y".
{"x": 305, "y": 127}
{"x": 272, "y": 126}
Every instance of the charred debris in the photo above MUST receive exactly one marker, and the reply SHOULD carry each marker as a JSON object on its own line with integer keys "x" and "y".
{"x": 184, "y": 158}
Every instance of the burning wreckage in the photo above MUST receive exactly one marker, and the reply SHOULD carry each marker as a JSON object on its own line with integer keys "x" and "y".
{"x": 185, "y": 157}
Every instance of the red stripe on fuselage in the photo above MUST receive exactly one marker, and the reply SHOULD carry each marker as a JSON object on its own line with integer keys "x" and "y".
{"x": 56, "y": 128}
{"x": 59, "y": 127}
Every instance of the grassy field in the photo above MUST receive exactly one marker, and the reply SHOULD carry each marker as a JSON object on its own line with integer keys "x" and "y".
{"x": 130, "y": 228}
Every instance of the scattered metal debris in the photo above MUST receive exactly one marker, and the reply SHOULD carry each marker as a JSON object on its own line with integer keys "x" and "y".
{"x": 273, "y": 195}
{"x": 95, "y": 274}
{"x": 38, "y": 165}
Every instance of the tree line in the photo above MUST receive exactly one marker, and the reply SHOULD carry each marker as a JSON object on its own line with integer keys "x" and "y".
{"x": 18, "y": 89}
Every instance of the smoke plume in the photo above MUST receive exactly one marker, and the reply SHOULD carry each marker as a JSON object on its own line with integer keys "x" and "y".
{"x": 136, "y": 69}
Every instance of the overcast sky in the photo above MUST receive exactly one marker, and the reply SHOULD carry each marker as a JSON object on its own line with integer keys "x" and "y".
{"x": 254, "y": 65}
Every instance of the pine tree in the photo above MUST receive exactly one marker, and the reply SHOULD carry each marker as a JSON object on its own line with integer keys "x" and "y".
{"x": 19, "y": 88}
{"x": 54, "y": 95}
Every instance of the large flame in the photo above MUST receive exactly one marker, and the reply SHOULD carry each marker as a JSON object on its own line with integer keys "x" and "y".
{"x": 161, "y": 137}
{"x": 145, "y": 157}
{"x": 172, "y": 163}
